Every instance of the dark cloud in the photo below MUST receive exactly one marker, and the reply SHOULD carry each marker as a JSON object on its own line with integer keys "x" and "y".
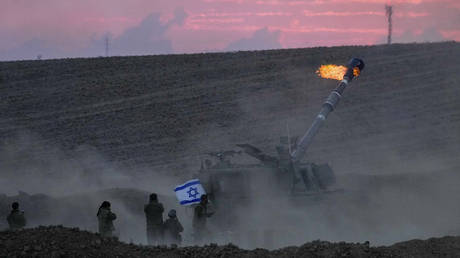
{"x": 148, "y": 38}
{"x": 261, "y": 39}
{"x": 179, "y": 17}
{"x": 31, "y": 50}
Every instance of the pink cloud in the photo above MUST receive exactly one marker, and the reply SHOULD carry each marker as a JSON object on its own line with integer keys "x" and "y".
{"x": 335, "y": 13}
{"x": 273, "y": 14}
{"x": 412, "y": 14}
{"x": 328, "y": 29}
{"x": 278, "y": 2}
{"x": 243, "y": 14}
{"x": 224, "y": 1}
{"x": 216, "y": 27}
{"x": 195, "y": 21}
{"x": 370, "y": 13}
{"x": 451, "y": 34}
{"x": 383, "y": 1}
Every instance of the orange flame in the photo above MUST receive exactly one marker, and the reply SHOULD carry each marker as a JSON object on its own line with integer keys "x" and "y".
{"x": 335, "y": 72}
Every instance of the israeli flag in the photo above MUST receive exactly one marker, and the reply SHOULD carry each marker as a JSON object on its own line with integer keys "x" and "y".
{"x": 190, "y": 192}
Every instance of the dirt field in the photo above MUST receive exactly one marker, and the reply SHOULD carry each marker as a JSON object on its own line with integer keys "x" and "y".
{"x": 73, "y": 130}
{"x": 168, "y": 110}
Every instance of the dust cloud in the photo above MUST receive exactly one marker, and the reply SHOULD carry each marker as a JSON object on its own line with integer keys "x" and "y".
{"x": 403, "y": 198}
{"x": 382, "y": 209}
{"x": 59, "y": 186}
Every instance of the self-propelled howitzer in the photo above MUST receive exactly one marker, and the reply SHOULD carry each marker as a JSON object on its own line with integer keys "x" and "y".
{"x": 233, "y": 187}
{"x": 225, "y": 179}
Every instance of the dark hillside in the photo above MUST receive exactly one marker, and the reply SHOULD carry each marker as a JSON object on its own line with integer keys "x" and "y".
{"x": 402, "y": 113}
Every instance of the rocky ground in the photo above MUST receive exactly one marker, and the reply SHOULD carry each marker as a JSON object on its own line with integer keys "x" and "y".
{"x": 58, "y": 241}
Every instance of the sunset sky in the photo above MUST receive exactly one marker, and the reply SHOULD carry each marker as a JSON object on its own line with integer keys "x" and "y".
{"x": 72, "y": 28}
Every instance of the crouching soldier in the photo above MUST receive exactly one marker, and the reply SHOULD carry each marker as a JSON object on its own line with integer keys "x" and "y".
{"x": 105, "y": 218}
{"x": 16, "y": 218}
{"x": 172, "y": 229}
{"x": 154, "y": 217}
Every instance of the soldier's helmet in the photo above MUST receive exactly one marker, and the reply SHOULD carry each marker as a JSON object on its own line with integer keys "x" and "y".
{"x": 204, "y": 198}
{"x": 172, "y": 213}
{"x": 105, "y": 204}
{"x": 153, "y": 197}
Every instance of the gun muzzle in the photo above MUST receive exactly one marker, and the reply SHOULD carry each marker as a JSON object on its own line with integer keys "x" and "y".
{"x": 354, "y": 68}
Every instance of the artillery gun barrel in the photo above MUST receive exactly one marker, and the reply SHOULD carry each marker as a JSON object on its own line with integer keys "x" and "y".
{"x": 328, "y": 106}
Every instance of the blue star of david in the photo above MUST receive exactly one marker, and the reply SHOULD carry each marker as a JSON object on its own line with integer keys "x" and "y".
{"x": 192, "y": 192}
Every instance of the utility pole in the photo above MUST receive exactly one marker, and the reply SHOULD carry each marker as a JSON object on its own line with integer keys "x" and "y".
{"x": 389, "y": 13}
{"x": 107, "y": 45}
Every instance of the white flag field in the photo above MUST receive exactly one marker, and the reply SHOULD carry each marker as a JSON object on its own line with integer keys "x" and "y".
{"x": 190, "y": 192}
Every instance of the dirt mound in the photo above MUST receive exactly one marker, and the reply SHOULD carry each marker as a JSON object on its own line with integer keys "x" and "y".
{"x": 57, "y": 241}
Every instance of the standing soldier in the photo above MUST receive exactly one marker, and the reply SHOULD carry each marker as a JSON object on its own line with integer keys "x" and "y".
{"x": 105, "y": 218}
{"x": 173, "y": 228}
{"x": 154, "y": 216}
{"x": 16, "y": 219}
{"x": 200, "y": 216}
